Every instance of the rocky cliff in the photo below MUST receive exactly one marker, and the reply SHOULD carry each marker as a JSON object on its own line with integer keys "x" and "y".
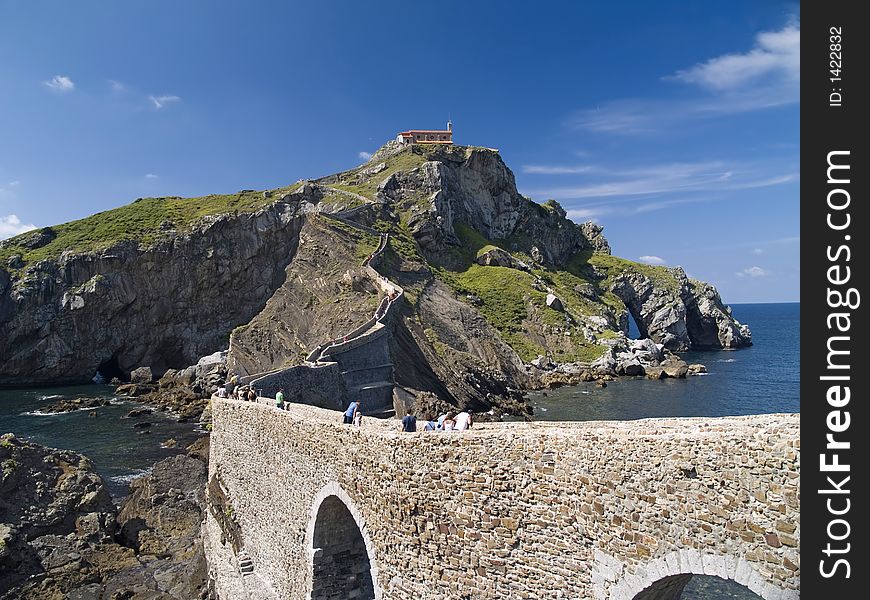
{"x": 492, "y": 281}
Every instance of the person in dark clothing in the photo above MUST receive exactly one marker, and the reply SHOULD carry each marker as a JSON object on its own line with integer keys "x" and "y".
{"x": 409, "y": 422}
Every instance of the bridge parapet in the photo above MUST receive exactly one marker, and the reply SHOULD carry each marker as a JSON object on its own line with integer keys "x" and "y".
{"x": 512, "y": 510}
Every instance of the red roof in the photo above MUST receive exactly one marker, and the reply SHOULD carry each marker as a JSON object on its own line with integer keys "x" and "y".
{"x": 412, "y": 131}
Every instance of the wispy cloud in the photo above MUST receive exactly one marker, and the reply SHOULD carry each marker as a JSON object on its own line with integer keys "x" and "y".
{"x": 151, "y": 176}
{"x": 162, "y": 101}
{"x": 11, "y": 225}
{"x": 15, "y": 183}
{"x": 664, "y": 204}
{"x": 60, "y": 83}
{"x": 556, "y": 169}
{"x": 116, "y": 86}
{"x": 668, "y": 178}
{"x": 758, "y": 251}
{"x": 651, "y": 260}
{"x": 365, "y": 155}
{"x": 753, "y": 272}
{"x": 766, "y": 76}
{"x": 775, "y": 59}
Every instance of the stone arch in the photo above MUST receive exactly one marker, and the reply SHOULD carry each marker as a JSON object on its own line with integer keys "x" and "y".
{"x": 663, "y": 578}
{"x": 334, "y": 513}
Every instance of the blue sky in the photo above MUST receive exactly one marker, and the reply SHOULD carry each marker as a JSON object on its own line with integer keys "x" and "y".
{"x": 675, "y": 125}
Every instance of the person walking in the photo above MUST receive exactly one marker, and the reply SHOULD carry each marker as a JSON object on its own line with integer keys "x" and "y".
{"x": 409, "y": 422}
{"x": 279, "y": 399}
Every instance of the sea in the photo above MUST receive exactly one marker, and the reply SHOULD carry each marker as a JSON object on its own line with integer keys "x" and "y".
{"x": 119, "y": 449}
{"x": 763, "y": 378}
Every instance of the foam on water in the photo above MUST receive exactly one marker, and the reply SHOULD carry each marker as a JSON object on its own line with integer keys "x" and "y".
{"x": 126, "y": 479}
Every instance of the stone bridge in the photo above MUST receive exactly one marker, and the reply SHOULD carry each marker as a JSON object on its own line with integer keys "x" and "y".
{"x": 598, "y": 510}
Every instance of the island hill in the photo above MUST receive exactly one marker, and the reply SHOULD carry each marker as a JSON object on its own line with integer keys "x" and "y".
{"x": 500, "y": 294}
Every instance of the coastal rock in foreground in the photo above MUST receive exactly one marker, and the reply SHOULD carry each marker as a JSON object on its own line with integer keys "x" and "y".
{"x": 62, "y": 537}
{"x": 47, "y": 495}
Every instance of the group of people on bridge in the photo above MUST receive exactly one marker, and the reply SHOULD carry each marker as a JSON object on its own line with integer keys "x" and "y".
{"x": 449, "y": 421}
{"x": 232, "y": 389}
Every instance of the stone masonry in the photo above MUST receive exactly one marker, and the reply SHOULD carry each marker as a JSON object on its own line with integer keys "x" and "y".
{"x": 599, "y": 510}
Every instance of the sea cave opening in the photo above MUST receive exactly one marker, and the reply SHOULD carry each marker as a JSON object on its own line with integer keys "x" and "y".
{"x": 342, "y": 568}
{"x": 633, "y": 329}
{"x": 687, "y": 586}
{"x": 109, "y": 369}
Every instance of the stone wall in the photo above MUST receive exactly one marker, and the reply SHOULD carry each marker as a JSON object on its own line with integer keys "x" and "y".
{"x": 315, "y": 384}
{"x": 516, "y": 510}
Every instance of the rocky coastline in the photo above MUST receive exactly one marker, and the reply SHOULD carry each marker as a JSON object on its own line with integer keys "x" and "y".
{"x": 61, "y": 536}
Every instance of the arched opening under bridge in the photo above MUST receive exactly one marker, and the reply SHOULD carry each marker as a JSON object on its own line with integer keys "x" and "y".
{"x": 696, "y": 587}
{"x": 341, "y": 566}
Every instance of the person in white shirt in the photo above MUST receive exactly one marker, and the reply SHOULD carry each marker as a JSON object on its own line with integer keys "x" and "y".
{"x": 463, "y": 421}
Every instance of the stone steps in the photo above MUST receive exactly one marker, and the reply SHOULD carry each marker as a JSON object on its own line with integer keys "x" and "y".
{"x": 246, "y": 565}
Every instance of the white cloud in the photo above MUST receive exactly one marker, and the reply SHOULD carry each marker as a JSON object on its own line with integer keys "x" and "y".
{"x": 651, "y": 260}
{"x": 586, "y": 214}
{"x": 14, "y": 183}
{"x": 555, "y": 169}
{"x": 117, "y": 86}
{"x": 161, "y": 101}
{"x": 60, "y": 83}
{"x": 151, "y": 176}
{"x": 663, "y": 204}
{"x": 766, "y": 76}
{"x": 753, "y": 272}
{"x": 757, "y": 244}
{"x": 365, "y": 155}
{"x": 775, "y": 57}
{"x": 758, "y": 251}
{"x": 11, "y": 225}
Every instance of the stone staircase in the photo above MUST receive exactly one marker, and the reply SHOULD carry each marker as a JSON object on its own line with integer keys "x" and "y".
{"x": 246, "y": 565}
{"x": 362, "y": 354}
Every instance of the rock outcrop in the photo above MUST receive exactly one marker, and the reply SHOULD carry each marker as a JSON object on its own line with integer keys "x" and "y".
{"x": 474, "y": 187}
{"x": 61, "y": 536}
{"x": 681, "y": 314}
{"x": 162, "y": 306}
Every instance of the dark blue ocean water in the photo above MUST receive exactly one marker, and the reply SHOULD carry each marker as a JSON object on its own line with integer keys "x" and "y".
{"x": 119, "y": 450}
{"x": 763, "y": 378}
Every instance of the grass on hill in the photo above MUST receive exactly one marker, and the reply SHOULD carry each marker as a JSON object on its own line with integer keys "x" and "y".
{"x": 364, "y": 242}
{"x": 506, "y": 293}
{"x": 367, "y": 186}
{"x": 139, "y": 221}
{"x": 613, "y": 266}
